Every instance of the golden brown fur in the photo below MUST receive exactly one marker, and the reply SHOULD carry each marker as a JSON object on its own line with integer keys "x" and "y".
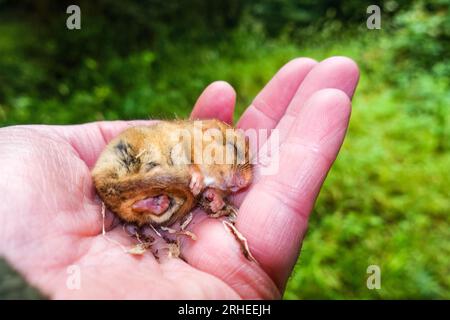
{"x": 147, "y": 161}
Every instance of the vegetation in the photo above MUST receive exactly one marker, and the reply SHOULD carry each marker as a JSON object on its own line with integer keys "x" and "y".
{"x": 385, "y": 202}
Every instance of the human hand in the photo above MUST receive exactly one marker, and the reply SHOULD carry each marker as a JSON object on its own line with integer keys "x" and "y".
{"x": 50, "y": 216}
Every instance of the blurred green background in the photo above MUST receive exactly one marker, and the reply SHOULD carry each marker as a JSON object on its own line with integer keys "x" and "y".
{"x": 386, "y": 200}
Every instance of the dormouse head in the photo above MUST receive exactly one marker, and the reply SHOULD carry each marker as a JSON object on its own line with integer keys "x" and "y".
{"x": 227, "y": 163}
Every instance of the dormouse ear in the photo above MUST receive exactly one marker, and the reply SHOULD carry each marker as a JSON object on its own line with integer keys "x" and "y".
{"x": 240, "y": 145}
{"x": 247, "y": 143}
{"x": 126, "y": 155}
{"x": 180, "y": 154}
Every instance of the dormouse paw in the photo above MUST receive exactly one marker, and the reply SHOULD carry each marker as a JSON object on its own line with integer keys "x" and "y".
{"x": 197, "y": 184}
{"x": 216, "y": 200}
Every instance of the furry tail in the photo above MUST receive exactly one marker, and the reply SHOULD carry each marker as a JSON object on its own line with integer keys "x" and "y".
{"x": 119, "y": 195}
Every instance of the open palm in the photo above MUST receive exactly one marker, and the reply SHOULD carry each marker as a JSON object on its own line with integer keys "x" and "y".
{"x": 50, "y": 216}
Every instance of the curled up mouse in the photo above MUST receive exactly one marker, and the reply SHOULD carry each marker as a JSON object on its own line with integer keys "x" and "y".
{"x": 154, "y": 176}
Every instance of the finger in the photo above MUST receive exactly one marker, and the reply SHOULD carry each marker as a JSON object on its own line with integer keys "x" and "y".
{"x": 217, "y": 252}
{"x": 336, "y": 72}
{"x": 216, "y": 102}
{"x": 271, "y": 103}
{"x": 275, "y": 212}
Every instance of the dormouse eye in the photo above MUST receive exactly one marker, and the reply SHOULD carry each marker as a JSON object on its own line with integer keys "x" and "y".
{"x": 125, "y": 155}
{"x": 150, "y": 165}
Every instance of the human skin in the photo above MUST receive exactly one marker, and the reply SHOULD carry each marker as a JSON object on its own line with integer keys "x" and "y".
{"x": 50, "y": 217}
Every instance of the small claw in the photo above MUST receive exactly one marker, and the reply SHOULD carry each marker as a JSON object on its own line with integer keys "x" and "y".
{"x": 217, "y": 204}
{"x": 232, "y": 215}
